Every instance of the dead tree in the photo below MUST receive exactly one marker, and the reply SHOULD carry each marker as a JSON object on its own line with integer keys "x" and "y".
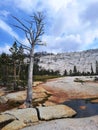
{"x": 33, "y": 30}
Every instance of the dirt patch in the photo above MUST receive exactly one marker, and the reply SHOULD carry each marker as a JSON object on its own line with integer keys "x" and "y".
{"x": 56, "y": 91}
{"x": 4, "y": 107}
{"x": 9, "y": 105}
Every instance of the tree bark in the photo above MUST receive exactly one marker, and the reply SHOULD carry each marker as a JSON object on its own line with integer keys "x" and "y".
{"x": 28, "y": 101}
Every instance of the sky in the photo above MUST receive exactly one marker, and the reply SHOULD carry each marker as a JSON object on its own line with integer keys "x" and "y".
{"x": 70, "y": 25}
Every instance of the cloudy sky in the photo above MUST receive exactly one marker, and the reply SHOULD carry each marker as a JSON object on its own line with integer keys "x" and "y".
{"x": 71, "y": 25}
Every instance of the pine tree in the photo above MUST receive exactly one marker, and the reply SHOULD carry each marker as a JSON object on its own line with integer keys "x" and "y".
{"x": 70, "y": 72}
{"x": 75, "y": 71}
{"x": 96, "y": 67}
{"x": 65, "y": 72}
{"x": 92, "y": 72}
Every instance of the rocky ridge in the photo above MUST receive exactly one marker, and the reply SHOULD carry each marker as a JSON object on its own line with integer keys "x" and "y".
{"x": 83, "y": 60}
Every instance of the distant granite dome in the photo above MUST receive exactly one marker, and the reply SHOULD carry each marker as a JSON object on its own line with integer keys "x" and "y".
{"x": 82, "y": 60}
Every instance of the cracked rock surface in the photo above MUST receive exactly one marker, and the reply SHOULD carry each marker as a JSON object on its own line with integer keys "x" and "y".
{"x": 90, "y": 123}
{"x": 19, "y": 118}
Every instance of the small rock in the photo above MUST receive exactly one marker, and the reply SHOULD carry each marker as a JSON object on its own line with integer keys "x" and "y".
{"x": 23, "y": 106}
{"x": 83, "y": 107}
{"x": 15, "y": 125}
{"x": 54, "y": 112}
{"x": 94, "y": 101}
{"x": 49, "y": 103}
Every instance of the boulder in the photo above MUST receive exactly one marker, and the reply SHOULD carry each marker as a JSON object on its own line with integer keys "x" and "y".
{"x": 90, "y": 123}
{"x": 3, "y": 99}
{"x": 15, "y": 125}
{"x": 6, "y": 118}
{"x": 54, "y": 112}
{"x": 17, "y": 96}
{"x": 28, "y": 115}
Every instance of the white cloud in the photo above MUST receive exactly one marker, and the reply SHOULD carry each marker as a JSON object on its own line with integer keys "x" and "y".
{"x": 70, "y": 24}
{"x": 38, "y": 5}
{"x": 4, "y": 13}
{"x": 24, "y": 41}
{"x": 4, "y": 26}
{"x": 26, "y": 5}
{"x": 61, "y": 44}
{"x": 88, "y": 37}
{"x": 5, "y": 49}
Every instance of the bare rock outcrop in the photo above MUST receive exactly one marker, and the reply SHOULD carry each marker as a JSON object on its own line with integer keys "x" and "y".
{"x": 82, "y": 60}
{"x": 55, "y": 112}
{"x": 19, "y": 118}
{"x": 15, "y": 125}
{"x": 6, "y": 118}
{"x": 90, "y": 123}
{"x": 26, "y": 115}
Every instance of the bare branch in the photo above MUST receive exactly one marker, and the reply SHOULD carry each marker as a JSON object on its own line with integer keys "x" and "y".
{"x": 39, "y": 27}
{"x": 24, "y": 46}
{"x": 35, "y": 30}
{"x": 19, "y": 21}
{"x": 20, "y": 28}
{"x": 42, "y": 44}
{"x": 28, "y": 38}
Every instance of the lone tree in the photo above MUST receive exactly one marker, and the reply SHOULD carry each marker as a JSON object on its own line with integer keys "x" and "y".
{"x": 33, "y": 30}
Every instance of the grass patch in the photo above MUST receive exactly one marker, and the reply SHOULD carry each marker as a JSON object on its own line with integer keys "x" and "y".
{"x": 44, "y": 77}
{"x": 78, "y": 80}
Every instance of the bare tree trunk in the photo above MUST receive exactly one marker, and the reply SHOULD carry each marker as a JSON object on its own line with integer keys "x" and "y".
{"x": 33, "y": 34}
{"x": 28, "y": 101}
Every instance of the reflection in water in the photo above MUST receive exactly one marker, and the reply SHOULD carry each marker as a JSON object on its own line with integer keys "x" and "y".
{"x": 84, "y": 108}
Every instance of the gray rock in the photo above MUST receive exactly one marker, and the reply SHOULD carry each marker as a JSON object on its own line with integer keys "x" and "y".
{"x": 82, "y": 60}
{"x": 3, "y": 99}
{"x": 6, "y": 117}
{"x": 90, "y": 123}
{"x": 28, "y": 115}
{"x": 17, "y": 96}
{"x": 54, "y": 112}
{"x": 15, "y": 125}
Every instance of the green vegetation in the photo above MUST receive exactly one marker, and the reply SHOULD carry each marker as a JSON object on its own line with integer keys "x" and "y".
{"x": 14, "y": 71}
{"x": 96, "y": 79}
{"x": 76, "y": 72}
{"x": 44, "y": 77}
{"x": 79, "y": 80}
{"x": 96, "y": 67}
